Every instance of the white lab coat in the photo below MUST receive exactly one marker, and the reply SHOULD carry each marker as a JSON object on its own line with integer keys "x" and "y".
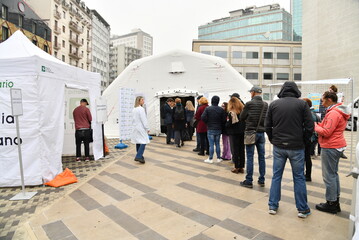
{"x": 140, "y": 126}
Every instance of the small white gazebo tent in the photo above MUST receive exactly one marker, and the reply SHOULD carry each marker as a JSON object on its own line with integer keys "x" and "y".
{"x": 175, "y": 73}
{"x": 42, "y": 79}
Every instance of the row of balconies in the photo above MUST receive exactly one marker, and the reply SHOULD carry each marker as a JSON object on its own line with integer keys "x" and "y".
{"x": 75, "y": 41}
{"x": 76, "y": 54}
{"x": 57, "y": 14}
{"x": 75, "y": 27}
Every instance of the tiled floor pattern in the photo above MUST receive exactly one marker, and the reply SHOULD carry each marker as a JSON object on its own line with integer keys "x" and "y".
{"x": 177, "y": 196}
{"x": 13, "y": 213}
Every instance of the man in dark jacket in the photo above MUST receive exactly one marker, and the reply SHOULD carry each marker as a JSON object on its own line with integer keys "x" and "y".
{"x": 215, "y": 117}
{"x": 289, "y": 125}
{"x": 168, "y": 112}
{"x": 254, "y": 114}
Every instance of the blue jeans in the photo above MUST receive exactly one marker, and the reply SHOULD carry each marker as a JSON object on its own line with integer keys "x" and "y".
{"x": 213, "y": 139}
{"x": 260, "y": 144}
{"x": 140, "y": 148}
{"x": 296, "y": 159}
{"x": 198, "y": 139}
{"x": 330, "y": 161}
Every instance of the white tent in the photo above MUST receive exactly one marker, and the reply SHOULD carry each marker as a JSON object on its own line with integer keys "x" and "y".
{"x": 176, "y": 73}
{"x": 42, "y": 79}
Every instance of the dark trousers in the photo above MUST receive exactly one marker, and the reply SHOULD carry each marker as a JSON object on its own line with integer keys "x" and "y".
{"x": 169, "y": 133}
{"x": 204, "y": 142}
{"x": 82, "y": 136}
{"x": 237, "y": 149}
{"x": 178, "y": 137}
{"x": 308, "y": 160}
{"x": 190, "y": 130}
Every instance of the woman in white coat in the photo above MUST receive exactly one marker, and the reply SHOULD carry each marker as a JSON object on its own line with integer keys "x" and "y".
{"x": 140, "y": 129}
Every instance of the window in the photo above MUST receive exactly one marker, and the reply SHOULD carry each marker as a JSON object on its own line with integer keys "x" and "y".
{"x": 56, "y": 24}
{"x": 250, "y": 75}
{"x": 282, "y": 76}
{"x": 236, "y": 54}
{"x": 34, "y": 42}
{"x": 281, "y": 55}
{"x": 63, "y": 43}
{"x": 222, "y": 54}
{"x": 33, "y": 28}
{"x": 55, "y": 54}
{"x": 63, "y": 58}
{"x": 46, "y": 48}
{"x": 297, "y": 76}
{"x": 45, "y": 34}
{"x": 266, "y": 96}
{"x": 4, "y": 12}
{"x": 268, "y": 55}
{"x": 21, "y": 21}
{"x": 63, "y": 29}
{"x": 252, "y": 55}
{"x": 206, "y": 52}
{"x": 298, "y": 56}
{"x": 5, "y": 33}
{"x": 70, "y": 34}
{"x": 267, "y": 76}
{"x": 64, "y": 13}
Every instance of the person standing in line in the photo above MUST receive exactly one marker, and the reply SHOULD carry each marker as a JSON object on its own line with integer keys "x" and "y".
{"x": 235, "y": 129}
{"x": 202, "y": 127}
{"x": 198, "y": 138}
{"x": 226, "y": 152}
{"x": 82, "y": 117}
{"x": 179, "y": 122}
{"x": 168, "y": 121}
{"x": 140, "y": 129}
{"x": 331, "y": 138}
{"x": 254, "y": 114}
{"x": 215, "y": 117}
{"x": 289, "y": 125}
{"x": 189, "y": 118}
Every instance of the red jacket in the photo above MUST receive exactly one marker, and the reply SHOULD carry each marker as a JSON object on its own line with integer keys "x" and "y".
{"x": 202, "y": 126}
{"x": 330, "y": 130}
{"x": 82, "y": 117}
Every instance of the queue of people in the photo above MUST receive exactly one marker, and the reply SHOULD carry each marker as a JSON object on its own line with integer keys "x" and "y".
{"x": 292, "y": 128}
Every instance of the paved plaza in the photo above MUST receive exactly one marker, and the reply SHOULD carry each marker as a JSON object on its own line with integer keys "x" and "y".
{"x": 175, "y": 195}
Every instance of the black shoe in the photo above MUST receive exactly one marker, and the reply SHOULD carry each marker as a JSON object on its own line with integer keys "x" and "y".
{"x": 330, "y": 207}
{"x": 178, "y": 146}
{"x": 261, "y": 183}
{"x": 201, "y": 153}
{"x": 196, "y": 150}
{"x": 170, "y": 143}
{"x": 207, "y": 153}
{"x": 343, "y": 156}
{"x": 182, "y": 144}
{"x": 246, "y": 184}
{"x": 141, "y": 160}
{"x": 308, "y": 179}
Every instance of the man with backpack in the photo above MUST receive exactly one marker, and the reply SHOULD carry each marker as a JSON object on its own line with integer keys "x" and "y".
{"x": 179, "y": 122}
{"x": 166, "y": 114}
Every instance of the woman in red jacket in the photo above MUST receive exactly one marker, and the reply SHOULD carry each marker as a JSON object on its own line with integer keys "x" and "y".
{"x": 331, "y": 139}
{"x": 202, "y": 126}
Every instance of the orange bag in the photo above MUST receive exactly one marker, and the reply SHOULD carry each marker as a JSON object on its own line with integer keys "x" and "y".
{"x": 64, "y": 178}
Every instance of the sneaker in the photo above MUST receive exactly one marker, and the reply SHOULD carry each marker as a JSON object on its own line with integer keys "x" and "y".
{"x": 272, "y": 211}
{"x": 261, "y": 183}
{"x": 246, "y": 184}
{"x": 141, "y": 160}
{"x": 87, "y": 159}
{"x": 304, "y": 214}
{"x": 219, "y": 160}
{"x": 208, "y": 160}
{"x": 196, "y": 150}
{"x": 78, "y": 159}
{"x": 201, "y": 153}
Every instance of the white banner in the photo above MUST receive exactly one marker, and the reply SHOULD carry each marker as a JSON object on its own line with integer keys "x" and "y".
{"x": 126, "y": 104}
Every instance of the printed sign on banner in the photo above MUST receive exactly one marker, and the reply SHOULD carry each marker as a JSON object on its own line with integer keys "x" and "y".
{"x": 126, "y": 103}
{"x": 315, "y": 98}
{"x": 16, "y": 101}
{"x": 101, "y": 110}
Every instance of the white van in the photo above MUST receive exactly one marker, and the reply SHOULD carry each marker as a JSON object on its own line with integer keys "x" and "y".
{"x": 355, "y": 114}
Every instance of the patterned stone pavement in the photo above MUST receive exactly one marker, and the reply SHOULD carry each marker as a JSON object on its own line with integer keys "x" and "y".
{"x": 14, "y": 213}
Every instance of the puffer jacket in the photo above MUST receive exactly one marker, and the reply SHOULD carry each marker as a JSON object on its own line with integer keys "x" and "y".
{"x": 251, "y": 113}
{"x": 201, "y": 126}
{"x": 214, "y": 116}
{"x": 168, "y": 114}
{"x": 289, "y": 123}
{"x": 330, "y": 130}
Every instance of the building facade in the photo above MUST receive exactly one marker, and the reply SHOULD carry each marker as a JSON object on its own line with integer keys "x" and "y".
{"x": 268, "y": 22}
{"x": 70, "y": 21}
{"x": 136, "y": 39}
{"x": 17, "y": 15}
{"x": 330, "y": 49}
{"x": 296, "y": 10}
{"x": 260, "y": 62}
{"x": 101, "y": 48}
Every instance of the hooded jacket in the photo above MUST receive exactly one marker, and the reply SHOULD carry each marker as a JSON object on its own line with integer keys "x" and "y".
{"x": 289, "y": 123}
{"x": 214, "y": 116}
{"x": 330, "y": 130}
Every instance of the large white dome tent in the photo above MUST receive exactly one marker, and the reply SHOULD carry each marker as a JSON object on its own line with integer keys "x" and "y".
{"x": 176, "y": 73}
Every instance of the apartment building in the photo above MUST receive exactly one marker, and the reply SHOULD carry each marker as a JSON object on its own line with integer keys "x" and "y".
{"x": 70, "y": 21}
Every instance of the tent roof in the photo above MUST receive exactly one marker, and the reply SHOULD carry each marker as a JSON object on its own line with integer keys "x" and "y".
{"x": 19, "y": 46}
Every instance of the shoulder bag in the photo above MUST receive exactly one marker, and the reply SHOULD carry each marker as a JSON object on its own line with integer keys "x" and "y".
{"x": 250, "y": 136}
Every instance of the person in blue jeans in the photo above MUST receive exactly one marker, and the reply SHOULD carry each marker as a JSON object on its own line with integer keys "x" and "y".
{"x": 215, "y": 117}
{"x": 289, "y": 126}
{"x": 254, "y": 114}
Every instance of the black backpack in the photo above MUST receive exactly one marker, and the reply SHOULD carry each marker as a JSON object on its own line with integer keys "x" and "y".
{"x": 179, "y": 113}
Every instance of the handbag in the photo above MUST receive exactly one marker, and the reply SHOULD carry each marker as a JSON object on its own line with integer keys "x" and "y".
{"x": 250, "y": 136}
{"x": 194, "y": 123}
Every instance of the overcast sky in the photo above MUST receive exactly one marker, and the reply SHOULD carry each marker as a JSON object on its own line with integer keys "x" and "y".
{"x": 173, "y": 24}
